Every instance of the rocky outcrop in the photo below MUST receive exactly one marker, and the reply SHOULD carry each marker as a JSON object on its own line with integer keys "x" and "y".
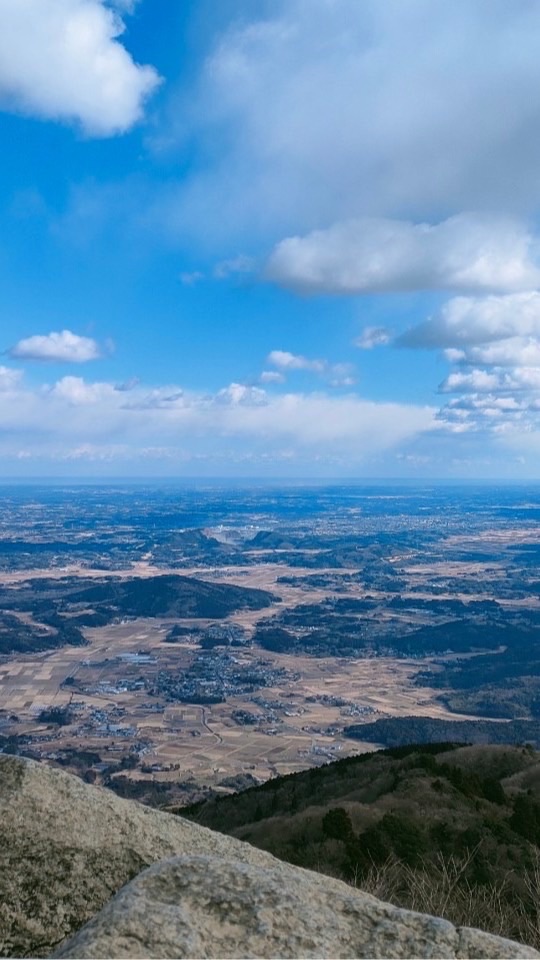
{"x": 207, "y": 907}
{"x": 66, "y": 848}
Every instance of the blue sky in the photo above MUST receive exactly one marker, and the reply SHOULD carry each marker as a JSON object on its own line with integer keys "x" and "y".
{"x": 294, "y": 238}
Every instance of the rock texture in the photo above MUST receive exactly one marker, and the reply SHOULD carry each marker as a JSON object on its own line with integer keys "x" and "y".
{"x": 66, "y": 848}
{"x": 206, "y": 907}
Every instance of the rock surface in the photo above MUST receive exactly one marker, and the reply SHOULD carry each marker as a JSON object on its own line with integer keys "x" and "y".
{"x": 200, "y": 906}
{"x": 66, "y": 848}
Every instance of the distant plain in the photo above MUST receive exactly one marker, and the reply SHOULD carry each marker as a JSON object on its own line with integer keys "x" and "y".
{"x": 403, "y": 564}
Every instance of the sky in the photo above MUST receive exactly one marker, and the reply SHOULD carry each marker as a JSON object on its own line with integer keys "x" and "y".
{"x": 270, "y": 238}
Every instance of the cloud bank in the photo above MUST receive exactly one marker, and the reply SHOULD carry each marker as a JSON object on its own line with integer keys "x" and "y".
{"x": 74, "y": 414}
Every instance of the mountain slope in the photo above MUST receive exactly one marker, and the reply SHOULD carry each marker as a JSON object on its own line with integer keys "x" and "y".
{"x": 463, "y": 821}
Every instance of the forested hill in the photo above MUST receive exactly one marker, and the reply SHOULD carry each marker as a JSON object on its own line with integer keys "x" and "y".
{"x": 400, "y": 731}
{"x": 60, "y": 607}
{"x": 171, "y": 596}
{"x": 461, "y": 823}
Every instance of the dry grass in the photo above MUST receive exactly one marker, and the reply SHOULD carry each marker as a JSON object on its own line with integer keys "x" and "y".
{"x": 443, "y": 889}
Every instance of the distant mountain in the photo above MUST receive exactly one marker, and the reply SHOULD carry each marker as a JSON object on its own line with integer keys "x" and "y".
{"x": 89, "y": 603}
{"x": 272, "y": 540}
{"x": 171, "y": 596}
{"x": 398, "y": 731}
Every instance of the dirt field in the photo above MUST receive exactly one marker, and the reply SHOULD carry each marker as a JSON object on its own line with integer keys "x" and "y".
{"x": 205, "y": 741}
{"x": 300, "y": 727}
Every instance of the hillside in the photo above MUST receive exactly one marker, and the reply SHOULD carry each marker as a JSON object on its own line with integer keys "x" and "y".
{"x": 400, "y": 731}
{"x": 453, "y": 829}
{"x": 170, "y": 596}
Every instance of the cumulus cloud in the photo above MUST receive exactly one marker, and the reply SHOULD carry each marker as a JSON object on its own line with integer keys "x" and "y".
{"x": 341, "y": 375}
{"x": 292, "y": 361}
{"x": 476, "y": 380}
{"x": 239, "y": 394}
{"x": 478, "y": 320}
{"x": 510, "y": 352}
{"x": 63, "y": 347}
{"x": 76, "y": 392}
{"x": 493, "y": 344}
{"x": 336, "y": 374}
{"x": 465, "y": 253}
{"x": 496, "y": 406}
{"x": 271, "y": 376}
{"x": 487, "y": 415}
{"x": 62, "y": 60}
{"x": 372, "y": 337}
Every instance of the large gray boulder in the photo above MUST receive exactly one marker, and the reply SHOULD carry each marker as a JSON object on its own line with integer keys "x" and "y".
{"x": 204, "y": 906}
{"x": 66, "y": 848}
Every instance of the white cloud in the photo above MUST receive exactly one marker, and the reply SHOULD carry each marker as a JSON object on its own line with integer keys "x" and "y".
{"x": 476, "y": 380}
{"x": 467, "y": 321}
{"x": 372, "y": 337}
{"x": 62, "y": 60}
{"x": 335, "y": 374}
{"x": 326, "y": 111}
{"x": 478, "y": 404}
{"x": 239, "y": 394}
{"x": 76, "y": 392}
{"x": 514, "y": 351}
{"x": 495, "y": 344}
{"x": 465, "y": 253}
{"x": 310, "y": 420}
{"x": 77, "y": 418}
{"x": 243, "y": 429}
{"x": 271, "y": 376}
{"x": 292, "y": 361}
{"x": 488, "y": 416}
{"x": 495, "y": 381}
{"x": 64, "y": 347}
{"x": 9, "y": 378}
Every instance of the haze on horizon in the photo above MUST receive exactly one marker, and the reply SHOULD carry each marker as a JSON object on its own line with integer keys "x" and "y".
{"x": 295, "y": 238}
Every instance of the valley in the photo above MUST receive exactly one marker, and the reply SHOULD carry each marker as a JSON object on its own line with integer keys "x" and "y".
{"x": 217, "y": 657}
